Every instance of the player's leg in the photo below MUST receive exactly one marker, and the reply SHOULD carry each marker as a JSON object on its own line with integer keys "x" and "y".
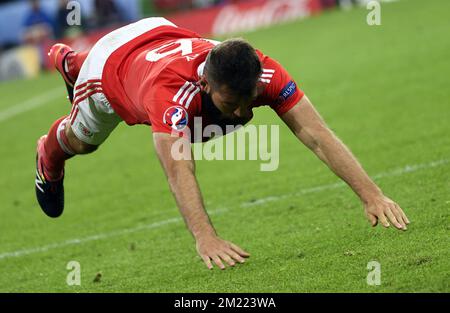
{"x": 91, "y": 121}
{"x": 89, "y": 124}
{"x": 53, "y": 149}
{"x": 59, "y": 144}
{"x": 68, "y": 63}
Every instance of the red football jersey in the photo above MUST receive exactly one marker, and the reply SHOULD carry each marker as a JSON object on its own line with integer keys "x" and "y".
{"x": 152, "y": 79}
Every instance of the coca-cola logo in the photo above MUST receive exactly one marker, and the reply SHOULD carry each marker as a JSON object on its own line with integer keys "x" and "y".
{"x": 235, "y": 18}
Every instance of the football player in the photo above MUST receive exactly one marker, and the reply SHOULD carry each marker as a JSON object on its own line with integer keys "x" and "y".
{"x": 155, "y": 73}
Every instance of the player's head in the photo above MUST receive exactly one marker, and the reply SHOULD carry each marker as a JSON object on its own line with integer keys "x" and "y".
{"x": 231, "y": 73}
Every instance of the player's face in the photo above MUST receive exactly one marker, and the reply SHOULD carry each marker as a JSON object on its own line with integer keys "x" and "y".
{"x": 228, "y": 103}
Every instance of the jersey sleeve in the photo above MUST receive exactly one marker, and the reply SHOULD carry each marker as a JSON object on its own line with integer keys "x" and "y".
{"x": 172, "y": 111}
{"x": 281, "y": 92}
{"x": 156, "y": 110}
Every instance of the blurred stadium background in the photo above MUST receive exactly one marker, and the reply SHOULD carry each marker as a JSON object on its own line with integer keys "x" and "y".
{"x": 29, "y": 27}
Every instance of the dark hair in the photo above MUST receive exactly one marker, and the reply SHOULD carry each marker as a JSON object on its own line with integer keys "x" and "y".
{"x": 234, "y": 63}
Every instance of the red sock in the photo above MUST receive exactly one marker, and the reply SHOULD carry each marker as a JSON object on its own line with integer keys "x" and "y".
{"x": 74, "y": 63}
{"x": 56, "y": 150}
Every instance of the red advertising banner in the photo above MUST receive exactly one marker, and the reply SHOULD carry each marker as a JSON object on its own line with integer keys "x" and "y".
{"x": 244, "y": 16}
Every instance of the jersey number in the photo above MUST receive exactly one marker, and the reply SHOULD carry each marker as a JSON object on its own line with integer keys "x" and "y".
{"x": 182, "y": 45}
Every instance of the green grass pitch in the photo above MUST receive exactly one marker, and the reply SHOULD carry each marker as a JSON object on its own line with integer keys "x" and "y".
{"x": 383, "y": 89}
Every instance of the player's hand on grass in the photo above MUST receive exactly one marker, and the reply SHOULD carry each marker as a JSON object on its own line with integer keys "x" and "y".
{"x": 384, "y": 210}
{"x": 213, "y": 249}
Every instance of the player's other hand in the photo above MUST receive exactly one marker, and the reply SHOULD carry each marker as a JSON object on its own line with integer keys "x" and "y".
{"x": 214, "y": 249}
{"x": 384, "y": 210}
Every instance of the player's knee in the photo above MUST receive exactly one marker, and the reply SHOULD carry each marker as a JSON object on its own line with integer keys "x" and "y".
{"x": 83, "y": 148}
{"x": 77, "y": 146}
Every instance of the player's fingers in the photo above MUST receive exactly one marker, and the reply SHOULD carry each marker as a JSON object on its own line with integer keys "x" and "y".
{"x": 207, "y": 261}
{"x": 398, "y": 216}
{"x": 224, "y": 256}
{"x": 235, "y": 256}
{"x": 383, "y": 220}
{"x": 392, "y": 218}
{"x": 372, "y": 219}
{"x": 218, "y": 262}
{"x": 405, "y": 218}
{"x": 239, "y": 250}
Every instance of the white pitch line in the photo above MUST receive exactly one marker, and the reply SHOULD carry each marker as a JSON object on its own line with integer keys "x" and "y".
{"x": 397, "y": 172}
{"x": 75, "y": 241}
{"x": 116, "y": 233}
{"x": 30, "y": 104}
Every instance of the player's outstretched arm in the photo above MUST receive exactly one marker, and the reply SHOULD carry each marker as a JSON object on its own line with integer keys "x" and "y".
{"x": 183, "y": 184}
{"x": 306, "y": 123}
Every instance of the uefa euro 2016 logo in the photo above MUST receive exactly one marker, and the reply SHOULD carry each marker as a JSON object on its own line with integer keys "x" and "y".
{"x": 176, "y": 117}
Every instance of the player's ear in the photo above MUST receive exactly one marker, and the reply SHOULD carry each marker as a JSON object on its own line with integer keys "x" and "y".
{"x": 204, "y": 85}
